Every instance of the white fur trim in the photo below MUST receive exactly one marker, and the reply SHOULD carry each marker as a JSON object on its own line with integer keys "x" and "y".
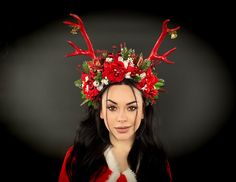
{"x": 114, "y": 167}
{"x": 130, "y": 175}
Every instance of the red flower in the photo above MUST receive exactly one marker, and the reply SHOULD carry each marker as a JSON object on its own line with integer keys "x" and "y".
{"x": 88, "y": 88}
{"x": 147, "y": 84}
{"x": 114, "y": 71}
{"x": 134, "y": 70}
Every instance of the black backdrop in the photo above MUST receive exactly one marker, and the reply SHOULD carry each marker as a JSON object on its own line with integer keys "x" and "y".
{"x": 213, "y": 23}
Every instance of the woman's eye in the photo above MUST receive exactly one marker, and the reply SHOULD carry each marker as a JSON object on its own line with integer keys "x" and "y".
{"x": 132, "y": 108}
{"x": 111, "y": 108}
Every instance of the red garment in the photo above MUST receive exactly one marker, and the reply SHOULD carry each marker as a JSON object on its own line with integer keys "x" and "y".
{"x": 63, "y": 176}
{"x": 107, "y": 174}
{"x": 103, "y": 177}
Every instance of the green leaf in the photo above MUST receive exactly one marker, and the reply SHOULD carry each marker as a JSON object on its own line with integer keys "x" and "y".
{"x": 84, "y": 102}
{"x": 148, "y": 102}
{"x": 78, "y": 83}
{"x": 85, "y": 67}
{"x": 137, "y": 78}
{"x": 83, "y": 96}
{"x": 90, "y": 103}
{"x": 145, "y": 64}
{"x": 98, "y": 77}
{"x": 160, "y": 83}
{"x": 125, "y": 53}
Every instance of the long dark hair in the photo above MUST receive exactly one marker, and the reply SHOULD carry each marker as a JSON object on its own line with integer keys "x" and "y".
{"x": 146, "y": 157}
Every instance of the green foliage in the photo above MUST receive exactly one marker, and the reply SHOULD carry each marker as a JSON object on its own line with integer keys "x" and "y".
{"x": 98, "y": 76}
{"x": 85, "y": 67}
{"x": 160, "y": 83}
{"x": 137, "y": 78}
{"x": 145, "y": 64}
{"x": 125, "y": 53}
{"x": 78, "y": 83}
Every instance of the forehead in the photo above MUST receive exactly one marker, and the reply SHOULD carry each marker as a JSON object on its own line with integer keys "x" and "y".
{"x": 123, "y": 94}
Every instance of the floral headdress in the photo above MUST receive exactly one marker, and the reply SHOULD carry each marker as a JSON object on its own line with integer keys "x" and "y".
{"x": 106, "y": 68}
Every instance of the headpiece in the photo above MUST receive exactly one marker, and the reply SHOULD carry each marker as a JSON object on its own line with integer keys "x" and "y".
{"x": 105, "y": 67}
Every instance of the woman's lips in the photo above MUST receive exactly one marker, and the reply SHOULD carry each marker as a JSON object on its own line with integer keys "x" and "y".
{"x": 123, "y": 129}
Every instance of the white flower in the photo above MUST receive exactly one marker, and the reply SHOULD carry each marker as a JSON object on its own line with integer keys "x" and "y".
{"x": 87, "y": 88}
{"x": 130, "y": 60}
{"x": 143, "y": 75}
{"x": 126, "y": 63}
{"x": 96, "y": 83}
{"x": 109, "y": 60}
{"x": 144, "y": 88}
{"x": 127, "y": 75}
{"x": 105, "y": 81}
{"x": 100, "y": 87}
{"x": 120, "y": 58}
{"x": 86, "y": 78}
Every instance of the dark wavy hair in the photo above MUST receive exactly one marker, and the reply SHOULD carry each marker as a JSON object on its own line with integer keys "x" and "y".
{"x": 146, "y": 157}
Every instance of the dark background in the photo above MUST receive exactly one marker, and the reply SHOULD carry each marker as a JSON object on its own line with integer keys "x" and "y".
{"x": 213, "y": 23}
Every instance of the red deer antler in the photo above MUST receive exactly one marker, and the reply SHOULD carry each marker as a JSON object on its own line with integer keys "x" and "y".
{"x": 90, "y": 52}
{"x": 154, "y": 55}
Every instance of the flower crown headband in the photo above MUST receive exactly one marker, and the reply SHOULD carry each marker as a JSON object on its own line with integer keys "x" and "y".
{"x": 107, "y": 68}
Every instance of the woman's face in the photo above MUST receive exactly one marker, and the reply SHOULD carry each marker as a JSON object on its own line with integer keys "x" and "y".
{"x": 122, "y": 113}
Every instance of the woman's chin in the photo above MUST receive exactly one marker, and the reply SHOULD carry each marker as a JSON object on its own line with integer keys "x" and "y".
{"x": 123, "y": 136}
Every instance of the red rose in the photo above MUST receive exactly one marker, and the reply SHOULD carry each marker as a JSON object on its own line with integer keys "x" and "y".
{"x": 114, "y": 71}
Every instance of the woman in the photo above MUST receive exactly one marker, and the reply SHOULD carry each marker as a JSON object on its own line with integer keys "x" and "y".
{"x": 117, "y": 141}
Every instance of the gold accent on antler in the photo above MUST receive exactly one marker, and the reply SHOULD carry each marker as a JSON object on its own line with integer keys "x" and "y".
{"x": 173, "y": 35}
{"x": 74, "y": 30}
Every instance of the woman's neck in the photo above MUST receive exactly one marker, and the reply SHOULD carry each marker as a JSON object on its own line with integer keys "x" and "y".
{"x": 120, "y": 150}
{"x": 122, "y": 146}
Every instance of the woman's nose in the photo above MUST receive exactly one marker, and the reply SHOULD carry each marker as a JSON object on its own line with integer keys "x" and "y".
{"x": 122, "y": 117}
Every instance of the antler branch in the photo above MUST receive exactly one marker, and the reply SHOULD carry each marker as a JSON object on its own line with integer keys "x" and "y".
{"x": 90, "y": 52}
{"x": 154, "y": 55}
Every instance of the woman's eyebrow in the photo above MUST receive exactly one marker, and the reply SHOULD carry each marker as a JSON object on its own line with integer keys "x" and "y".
{"x": 116, "y": 103}
{"x": 131, "y": 102}
{"x": 111, "y": 101}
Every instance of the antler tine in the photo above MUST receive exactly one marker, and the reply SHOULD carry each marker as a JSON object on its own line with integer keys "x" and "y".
{"x": 154, "y": 55}
{"x": 90, "y": 52}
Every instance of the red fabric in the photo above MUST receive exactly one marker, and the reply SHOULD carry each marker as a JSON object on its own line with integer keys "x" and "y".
{"x": 103, "y": 177}
{"x": 122, "y": 178}
{"x": 63, "y": 175}
{"x": 169, "y": 170}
